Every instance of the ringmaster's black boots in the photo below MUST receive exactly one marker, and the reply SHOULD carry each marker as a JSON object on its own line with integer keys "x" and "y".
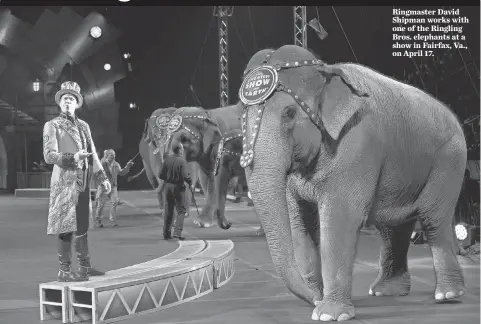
{"x": 65, "y": 273}
{"x": 82, "y": 249}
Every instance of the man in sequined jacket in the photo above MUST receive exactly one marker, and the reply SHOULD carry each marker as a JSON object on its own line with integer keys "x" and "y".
{"x": 68, "y": 145}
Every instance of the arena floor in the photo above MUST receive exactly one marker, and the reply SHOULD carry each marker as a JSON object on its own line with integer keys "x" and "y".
{"x": 254, "y": 295}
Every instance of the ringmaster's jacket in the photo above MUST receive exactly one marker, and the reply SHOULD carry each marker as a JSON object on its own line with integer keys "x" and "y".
{"x": 61, "y": 140}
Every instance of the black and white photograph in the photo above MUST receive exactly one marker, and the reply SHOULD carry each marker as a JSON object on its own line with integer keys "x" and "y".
{"x": 176, "y": 163}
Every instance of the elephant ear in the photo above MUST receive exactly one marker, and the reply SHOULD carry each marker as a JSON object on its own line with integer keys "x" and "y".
{"x": 338, "y": 100}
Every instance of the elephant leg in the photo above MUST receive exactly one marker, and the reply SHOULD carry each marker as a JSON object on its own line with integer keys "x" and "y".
{"x": 437, "y": 203}
{"x": 160, "y": 198}
{"x": 188, "y": 202}
{"x": 221, "y": 184}
{"x": 339, "y": 233}
{"x": 150, "y": 175}
{"x": 393, "y": 278}
{"x": 194, "y": 174}
{"x": 206, "y": 218}
{"x": 303, "y": 218}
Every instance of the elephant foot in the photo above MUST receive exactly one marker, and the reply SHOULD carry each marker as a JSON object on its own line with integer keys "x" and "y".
{"x": 198, "y": 222}
{"x": 446, "y": 292}
{"x": 224, "y": 226}
{"x": 327, "y": 311}
{"x": 203, "y": 224}
{"x": 398, "y": 285}
{"x": 260, "y": 232}
{"x": 317, "y": 298}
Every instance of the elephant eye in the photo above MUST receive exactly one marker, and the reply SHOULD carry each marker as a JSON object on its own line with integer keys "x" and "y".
{"x": 289, "y": 112}
{"x": 184, "y": 139}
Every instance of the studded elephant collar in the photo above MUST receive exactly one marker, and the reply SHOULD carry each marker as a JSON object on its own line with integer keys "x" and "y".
{"x": 260, "y": 83}
{"x": 221, "y": 149}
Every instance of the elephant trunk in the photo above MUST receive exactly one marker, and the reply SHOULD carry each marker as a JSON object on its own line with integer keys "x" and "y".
{"x": 267, "y": 185}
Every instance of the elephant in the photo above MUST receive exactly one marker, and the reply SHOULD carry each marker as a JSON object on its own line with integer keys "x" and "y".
{"x": 200, "y": 133}
{"x": 227, "y": 166}
{"x": 331, "y": 148}
{"x": 153, "y": 147}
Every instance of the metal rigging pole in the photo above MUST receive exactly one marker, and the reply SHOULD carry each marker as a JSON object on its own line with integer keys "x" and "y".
{"x": 223, "y": 13}
{"x": 300, "y": 30}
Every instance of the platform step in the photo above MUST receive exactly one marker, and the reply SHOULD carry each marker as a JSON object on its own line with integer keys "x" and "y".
{"x": 57, "y": 293}
{"x": 33, "y": 193}
{"x": 191, "y": 271}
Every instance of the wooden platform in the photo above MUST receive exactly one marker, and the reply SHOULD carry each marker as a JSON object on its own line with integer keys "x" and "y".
{"x": 191, "y": 271}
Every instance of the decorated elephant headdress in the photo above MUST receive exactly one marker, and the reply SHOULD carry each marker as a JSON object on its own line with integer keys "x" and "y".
{"x": 207, "y": 136}
{"x": 265, "y": 75}
{"x": 156, "y": 130}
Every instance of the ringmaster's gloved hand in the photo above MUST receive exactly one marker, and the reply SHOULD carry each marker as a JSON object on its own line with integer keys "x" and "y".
{"x": 81, "y": 155}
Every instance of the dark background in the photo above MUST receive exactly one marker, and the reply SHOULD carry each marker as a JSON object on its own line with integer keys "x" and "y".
{"x": 169, "y": 54}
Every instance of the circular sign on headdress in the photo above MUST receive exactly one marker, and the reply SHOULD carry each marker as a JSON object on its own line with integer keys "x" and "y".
{"x": 174, "y": 123}
{"x": 258, "y": 85}
{"x": 163, "y": 120}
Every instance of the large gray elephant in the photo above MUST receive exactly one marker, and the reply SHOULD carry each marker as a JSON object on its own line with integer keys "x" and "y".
{"x": 200, "y": 132}
{"x": 152, "y": 149}
{"x": 329, "y": 148}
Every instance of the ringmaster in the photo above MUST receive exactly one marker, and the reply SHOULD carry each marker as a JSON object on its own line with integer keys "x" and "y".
{"x": 68, "y": 145}
{"x": 174, "y": 173}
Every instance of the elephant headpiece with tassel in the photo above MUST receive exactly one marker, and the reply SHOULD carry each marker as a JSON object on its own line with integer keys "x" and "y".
{"x": 159, "y": 133}
{"x": 261, "y": 82}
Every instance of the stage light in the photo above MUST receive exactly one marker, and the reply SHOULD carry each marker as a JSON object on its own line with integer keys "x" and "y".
{"x": 461, "y": 232}
{"x": 465, "y": 234}
{"x": 132, "y": 105}
{"x": 127, "y": 55}
{"x": 417, "y": 237}
{"x": 107, "y": 67}
{"x": 96, "y": 32}
{"x": 36, "y": 86}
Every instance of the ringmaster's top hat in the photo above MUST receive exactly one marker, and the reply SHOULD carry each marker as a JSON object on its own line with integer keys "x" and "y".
{"x": 72, "y": 88}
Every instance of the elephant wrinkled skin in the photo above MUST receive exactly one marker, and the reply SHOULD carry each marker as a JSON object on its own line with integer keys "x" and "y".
{"x": 152, "y": 149}
{"x": 371, "y": 150}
